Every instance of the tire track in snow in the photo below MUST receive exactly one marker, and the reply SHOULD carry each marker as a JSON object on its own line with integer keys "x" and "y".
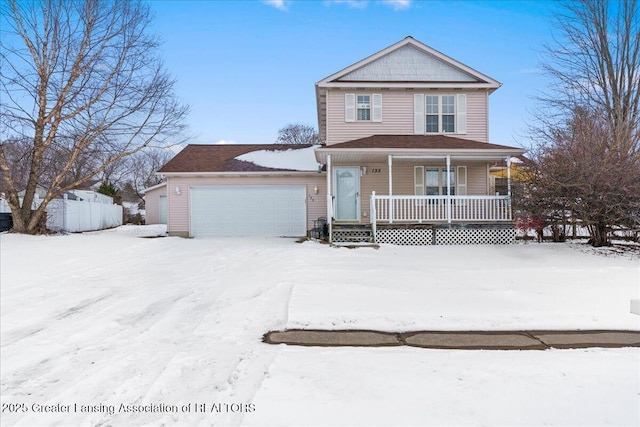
{"x": 255, "y": 358}
{"x": 228, "y": 363}
{"x": 16, "y": 336}
{"x": 137, "y": 358}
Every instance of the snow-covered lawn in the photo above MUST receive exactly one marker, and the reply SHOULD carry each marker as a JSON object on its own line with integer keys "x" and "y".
{"x": 156, "y": 330}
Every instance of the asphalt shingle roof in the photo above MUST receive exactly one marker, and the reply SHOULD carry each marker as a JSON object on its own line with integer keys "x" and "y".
{"x": 418, "y": 142}
{"x": 221, "y": 158}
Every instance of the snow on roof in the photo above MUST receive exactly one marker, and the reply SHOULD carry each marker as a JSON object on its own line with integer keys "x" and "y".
{"x": 303, "y": 159}
{"x": 153, "y": 187}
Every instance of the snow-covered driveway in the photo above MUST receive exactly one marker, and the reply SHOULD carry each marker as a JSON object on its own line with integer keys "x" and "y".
{"x": 110, "y": 328}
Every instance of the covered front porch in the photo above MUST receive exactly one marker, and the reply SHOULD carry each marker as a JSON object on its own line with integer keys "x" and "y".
{"x": 374, "y": 193}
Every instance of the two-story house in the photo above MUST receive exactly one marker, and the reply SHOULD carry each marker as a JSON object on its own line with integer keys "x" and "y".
{"x": 406, "y": 160}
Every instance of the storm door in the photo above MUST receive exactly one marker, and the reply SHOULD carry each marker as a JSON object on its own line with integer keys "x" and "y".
{"x": 347, "y": 193}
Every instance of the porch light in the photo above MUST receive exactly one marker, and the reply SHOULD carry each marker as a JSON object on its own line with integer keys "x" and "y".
{"x": 178, "y": 192}
{"x": 364, "y": 170}
{"x": 315, "y": 190}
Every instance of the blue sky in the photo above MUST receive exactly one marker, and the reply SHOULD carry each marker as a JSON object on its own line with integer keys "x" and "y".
{"x": 247, "y": 68}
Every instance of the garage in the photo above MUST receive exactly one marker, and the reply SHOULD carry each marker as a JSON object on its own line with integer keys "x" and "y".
{"x": 266, "y": 210}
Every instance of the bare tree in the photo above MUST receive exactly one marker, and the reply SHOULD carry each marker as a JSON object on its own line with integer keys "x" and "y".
{"x": 296, "y": 133}
{"x": 18, "y": 149}
{"x": 81, "y": 81}
{"x": 142, "y": 169}
{"x": 578, "y": 174}
{"x": 588, "y": 129}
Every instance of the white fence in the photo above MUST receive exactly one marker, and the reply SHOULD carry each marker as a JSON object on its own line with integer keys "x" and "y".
{"x": 76, "y": 216}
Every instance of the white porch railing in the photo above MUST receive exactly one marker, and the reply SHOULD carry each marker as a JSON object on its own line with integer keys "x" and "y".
{"x": 420, "y": 209}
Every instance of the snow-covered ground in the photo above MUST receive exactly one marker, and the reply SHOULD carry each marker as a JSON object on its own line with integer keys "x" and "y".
{"x": 112, "y": 329}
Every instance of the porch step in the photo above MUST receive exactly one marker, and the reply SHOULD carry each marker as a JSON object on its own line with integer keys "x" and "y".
{"x": 352, "y": 233}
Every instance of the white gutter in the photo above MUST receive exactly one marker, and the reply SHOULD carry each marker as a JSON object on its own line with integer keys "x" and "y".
{"x": 407, "y": 151}
{"x": 162, "y": 184}
{"x": 403, "y": 85}
{"x": 247, "y": 173}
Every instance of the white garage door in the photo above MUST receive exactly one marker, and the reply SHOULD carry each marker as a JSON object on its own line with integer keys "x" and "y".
{"x": 269, "y": 210}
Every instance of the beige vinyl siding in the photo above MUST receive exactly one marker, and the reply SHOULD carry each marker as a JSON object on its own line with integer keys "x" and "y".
{"x": 403, "y": 173}
{"x": 369, "y": 182}
{"x": 477, "y": 179}
{"x": 477, "y": 117}
{"x": 397, "y": 115}
{"x": 178, "y": 205}
{"x": 152, "y": 205}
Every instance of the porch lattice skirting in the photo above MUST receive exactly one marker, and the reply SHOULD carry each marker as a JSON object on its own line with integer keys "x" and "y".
{"x": 457, "y": 234}
{"x": 405, "y": 236}
{"x": 502, "y": 234}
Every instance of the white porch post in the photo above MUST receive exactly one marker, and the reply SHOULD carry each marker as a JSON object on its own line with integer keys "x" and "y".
{"x": 329, "y": 197}
{"x": 509, "y": 176}
{"x": 389, "y": 160}
{"x": 509, "y": 186}
{"x": 448, "y": 189}
{"x": 372, "y": 215}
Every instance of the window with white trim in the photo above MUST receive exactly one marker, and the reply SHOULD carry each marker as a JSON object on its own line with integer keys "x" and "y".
{"x": 436, "y": 114}
{"x": 440, "y": 114}
{"x": 363, "y": 107}
{"x": 433, "y": 114}
{"x": 432, "y": 181}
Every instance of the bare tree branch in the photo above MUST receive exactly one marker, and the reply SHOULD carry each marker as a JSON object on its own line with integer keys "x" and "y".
{"x": 588, "y": 127}
{"x": 82, "y": 82}
{"x": 296, "y": 133}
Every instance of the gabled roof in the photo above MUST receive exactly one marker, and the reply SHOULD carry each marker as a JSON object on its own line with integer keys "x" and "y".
{"x": 220, "y": 158}
{"x": 409, "y": 63}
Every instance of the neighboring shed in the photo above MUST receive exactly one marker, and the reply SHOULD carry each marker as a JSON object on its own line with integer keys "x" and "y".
{"x": 244, "y": 190}
{"x": 155, "y": 202}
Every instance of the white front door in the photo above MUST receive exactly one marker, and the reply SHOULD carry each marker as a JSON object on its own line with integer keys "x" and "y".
{"x": 346, "y": 189}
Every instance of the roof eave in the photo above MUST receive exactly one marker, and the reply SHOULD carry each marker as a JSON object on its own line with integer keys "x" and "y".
{"x": 236, "y": 173}
{"x": 322, "y": 119}
{"x": 412, "y": 85}
{"x": 153, "y": 187}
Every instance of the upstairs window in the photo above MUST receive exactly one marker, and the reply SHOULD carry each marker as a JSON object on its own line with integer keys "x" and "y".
{"x": 440, "y": 114}
{"x": 433, "y": 114}
{"x": 448, "y": 113}
{"x": 363, "y": 107}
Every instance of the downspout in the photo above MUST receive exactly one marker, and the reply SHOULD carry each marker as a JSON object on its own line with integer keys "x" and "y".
{"x": 329, "y": 198}
{"x": 389, "y": 161}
